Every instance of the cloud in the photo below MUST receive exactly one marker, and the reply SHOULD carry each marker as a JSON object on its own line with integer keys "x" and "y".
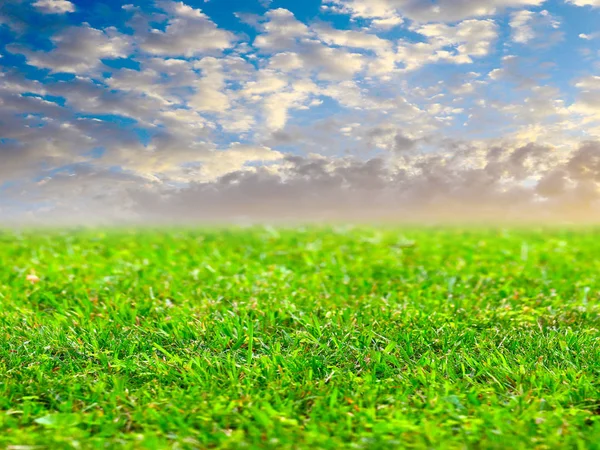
{"x": 589, "y": 83}
{"x": 188, "y": 32}
{"x": 54, "y": 6}
{"x": 527, "y": 26}
{"x": 286, "y": 62}
{"x": 209, "y": 95}
{"x": 351, "y": 38}
{"x": 281, "y": 31}
{"x": 524, "y": 72}
{"x": 588, "y": 103}
{"x": 77, "y": 49}
{"x": 588, "y": 99}
{"x": 593, "y": 3}
{"x": 387, "y": 23}
{"x": 301, "y": 118}
{"x": 277, "y": 105}
{"x": 330, "y": 63}
{"x": 296, "y": 49}
{"x": 83, "y": 194}
{"x": 440, "y": 11}
{"x": 222, "y": 162}
{"x": 87, "y": 96}
{"x": 468, "y": 183}
{"x": 453, "y": 44}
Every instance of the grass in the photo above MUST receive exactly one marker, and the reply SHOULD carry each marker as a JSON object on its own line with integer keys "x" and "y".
{"x": 301, "y": 338}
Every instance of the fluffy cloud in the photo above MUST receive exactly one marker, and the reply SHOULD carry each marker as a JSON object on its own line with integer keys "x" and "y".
{"x": 520, "y": 71}
{"x": 330, "y": 63}
{"x": 456, "y": 44}
{"x": 280, "y": 31}
{"x": 386, "y": 23}
{"x": 209, "y": 95}
{"x": 593, "y": 3}
{"x": 237, "y": 156}
{"x": 188, "y": 32}
{"x": 277, "y": 105}
{"x": 352, "y": 38}
{"x": 77, "y": 49}
{"x": 54, "y": 6}
{"x": 589, "y": 83}
{"x": 440, "y": 11}
{"x": 528, "y": 25}
{"x": 588, "y": 100}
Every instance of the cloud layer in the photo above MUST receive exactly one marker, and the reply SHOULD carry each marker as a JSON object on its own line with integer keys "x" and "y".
{"x": 404, "y": 109}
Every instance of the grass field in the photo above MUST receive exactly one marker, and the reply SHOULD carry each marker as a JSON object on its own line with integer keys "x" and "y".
{"x": 301, "y": 338}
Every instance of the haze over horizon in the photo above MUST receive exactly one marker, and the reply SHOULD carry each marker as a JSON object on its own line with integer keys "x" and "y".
{"x": 166, "y": 111}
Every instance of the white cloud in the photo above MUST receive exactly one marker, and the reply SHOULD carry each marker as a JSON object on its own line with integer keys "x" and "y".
{"x": 277, "y": 105}
{"x": 593, "y": 3}
{"x": 78, "y": 49}
{"x": 352, "y": 38}
{"x": 330, "y": 63}
{"x": 588, "y": 100}
{"x": 524, "y": 72}
{"x": 54, "y": 6}
{"x": 296, "y": 50}
{"x": 520, "y": 24}
{"x": 387, "y": 23}
{"x": 455, "y": 44}
{"x": 589, "y": 83}
{"x": 528, "y": 25}
{"x": 189, "y": 32}
{"x": 221, "y": 162}
{"x": 286, "y": 61}
{"x": 280, "y": 31}
{"x": 185, "y": 91}
{"x": 440, "y": 11}
{"x": 267, "y": 82}
{"x": 209, "y": 90}
{"x": 87, "y": 95}
{"x": 362, "y": 8}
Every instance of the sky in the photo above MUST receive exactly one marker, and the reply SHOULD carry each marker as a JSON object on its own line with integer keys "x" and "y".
{"x": 167, "y": 111}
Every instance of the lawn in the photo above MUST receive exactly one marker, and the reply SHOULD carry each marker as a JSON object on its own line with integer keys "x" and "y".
{"x": 300, "y": 338}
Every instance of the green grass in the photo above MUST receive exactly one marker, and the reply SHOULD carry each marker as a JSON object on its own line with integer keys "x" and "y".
{"x": 301, "y": 338}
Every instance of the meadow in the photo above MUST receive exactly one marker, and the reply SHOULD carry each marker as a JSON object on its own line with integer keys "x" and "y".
{"x": 316, "y": 337}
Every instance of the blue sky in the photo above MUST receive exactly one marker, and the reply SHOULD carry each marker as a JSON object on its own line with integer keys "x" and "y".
{"x": 102, "y": 99}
